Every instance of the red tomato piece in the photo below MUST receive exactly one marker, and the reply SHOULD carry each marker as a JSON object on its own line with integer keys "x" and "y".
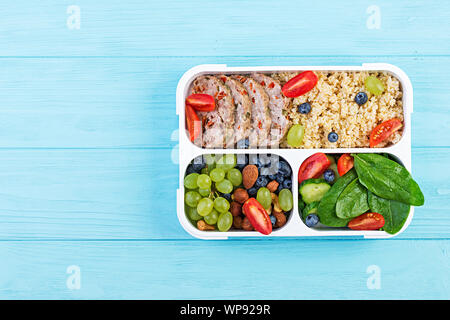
{"x": 313, "y": 167}
{"x": 367, "y": 221}
{"x": 193, "y": 123}
{"x": 300, "y": 84}
{"x": 257, "y": 216}
{"x": 201, "y": 102}
{"x": 345, "y": 163}
{"x": 384, "y": 130}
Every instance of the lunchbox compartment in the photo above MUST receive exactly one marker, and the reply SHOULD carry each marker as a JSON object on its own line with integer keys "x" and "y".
{"x": 267, "y": 166}
{"x": 191, "y": 75}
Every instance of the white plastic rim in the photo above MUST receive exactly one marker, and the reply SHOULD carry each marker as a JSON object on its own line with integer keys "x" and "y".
{"x": 295, "y": 226}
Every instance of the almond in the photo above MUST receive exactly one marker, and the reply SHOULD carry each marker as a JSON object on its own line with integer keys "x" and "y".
{"x": 249, "y": 175}
{"x": 235, "y": 208}
{"x": 273, "y": 186}
{"x": 240, "y": 195}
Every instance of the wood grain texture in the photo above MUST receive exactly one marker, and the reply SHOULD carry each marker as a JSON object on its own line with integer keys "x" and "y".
{"x": 87, "y": 120}
{"x": 130, "y": 102}
{"x": 303, "y": 269}
{"x": 143, "y": 28}
{"x": 130, "y": 194}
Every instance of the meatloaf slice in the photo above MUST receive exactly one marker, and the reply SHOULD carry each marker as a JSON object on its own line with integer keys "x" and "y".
{"x": 260, "y": 115}
{"x": 278, "y": 106}
{"x": 243, "y": 106}
{"x": 218, "y": 125}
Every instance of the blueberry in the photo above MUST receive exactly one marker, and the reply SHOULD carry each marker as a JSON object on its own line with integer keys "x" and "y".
{"x": 198, "y": 164}
{"x": 304, "y": 108}
{"x": 328, "y": 175}
{"x": 333, "y": 137}
{"x": 190, "y": 169}
{"x": 272, "y": 177}
{"x": 261, "y": 181}
{"x": 287, "y": 184}
{"x": 361, "y": 98}
{"x": 280, "y": 187}
{"x": 243, "y": 144}
{"x": 227, "y": 196}
{"x": 284, "y": 168}
{"x": 273, "y": 219}
{"x": 279, "y": 178}
{"x": 241, "y": 161}
{"x": 264, "y": 160}
{"x": 311, "y": 220}
{"x": 252, "y": 192}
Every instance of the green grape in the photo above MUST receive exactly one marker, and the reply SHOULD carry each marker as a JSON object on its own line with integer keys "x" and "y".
{"x": 217, "y": 175}
{"x": 285, "y": 199}
{"x": 224, "y": 186}
{"x": 374, "y": 85}
{"x": 205, "y": 206}
{"x": 224, "y": 221}
{"x": 211, "y": 218}
{"x": 227, "y": 162}
{"x": 193, "y": 214}
{"x": 295, "y": 135}
{"x": 204, "y": 192}
{"x": 204, "y": 181}
{"x": 190, "y": 181}
{"x": 209, "y": 159}
{"x": 264, "y": 197}
{"x": 221, "y": 204}
{"x": 204, "y": 170}
{"x": 235, "y": 177}
{"x": 191, "y": 198}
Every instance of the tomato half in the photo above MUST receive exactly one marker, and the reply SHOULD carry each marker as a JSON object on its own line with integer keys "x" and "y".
{"x": 257, "y": 216}
{"x": 345, "y": 163}
{"x": 193, "y": 123}
{"x": 300, "y": 84}
{"x": 384, "y": 130}
{"x": 201, "y": 102}
{"x": 313, "y": 167}
{"x": 367, "y": 221}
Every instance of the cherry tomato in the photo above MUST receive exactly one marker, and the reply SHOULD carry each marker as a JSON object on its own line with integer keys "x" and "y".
{"x": 193, "y": 123}
{"x": 384, "y": 130}
{"x": 313, "y": 167}
{"x": 300, "y": 84}
{"x": 345, "y": 163}
{"x": 201, "y": 102}
{"x": 367, "y": 221}
{"x": 257, "y": 216}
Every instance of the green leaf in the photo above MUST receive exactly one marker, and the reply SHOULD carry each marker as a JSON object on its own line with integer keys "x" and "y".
{"x": 327, "y": 206}
{"x": 387, "y": 179}
{"x": 395, "y": 213}
{"x": 352, "y": 202}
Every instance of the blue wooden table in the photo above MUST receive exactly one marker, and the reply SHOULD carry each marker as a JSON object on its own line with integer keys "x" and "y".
{"x": 88, "y": 131}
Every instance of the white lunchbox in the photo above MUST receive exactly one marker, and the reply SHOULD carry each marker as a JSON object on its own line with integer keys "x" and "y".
{"x": 295, "y": 226}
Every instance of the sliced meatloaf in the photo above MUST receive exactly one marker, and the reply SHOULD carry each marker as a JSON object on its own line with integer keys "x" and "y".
{"x": 278, "y": 106}
{"x": 242, "y": 124}
{"x": 260, "y": 114}
{"x": 218, "y": 125}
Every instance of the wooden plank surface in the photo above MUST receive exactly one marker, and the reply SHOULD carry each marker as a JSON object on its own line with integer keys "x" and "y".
{"x": 88, "y": 132}
{"x": 304, "y": 269}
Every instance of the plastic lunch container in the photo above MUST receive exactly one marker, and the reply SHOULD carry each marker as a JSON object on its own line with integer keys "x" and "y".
{"x": 295, "y": 226}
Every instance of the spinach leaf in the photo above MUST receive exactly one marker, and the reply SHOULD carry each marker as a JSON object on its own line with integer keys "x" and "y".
{"x": 326, "y": 210}
{"x": 387, "y": 179}
{"x": 352, "y": 202}
{"x": 395, "y": 213}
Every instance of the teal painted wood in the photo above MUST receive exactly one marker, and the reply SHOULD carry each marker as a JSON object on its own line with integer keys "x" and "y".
{"x": 129, "y": 102}
{"x": 192, "y": 28}
{"x": 86, "y": 123}
{"x": 131, "y": 194}
{"x": 225, "y": 270}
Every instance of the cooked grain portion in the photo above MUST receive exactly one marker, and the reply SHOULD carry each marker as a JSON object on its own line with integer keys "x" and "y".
{"x": 333, "y": 109}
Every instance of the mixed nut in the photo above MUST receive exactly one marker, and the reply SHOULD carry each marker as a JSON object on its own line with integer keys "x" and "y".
{"x": 241, "y": 192}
